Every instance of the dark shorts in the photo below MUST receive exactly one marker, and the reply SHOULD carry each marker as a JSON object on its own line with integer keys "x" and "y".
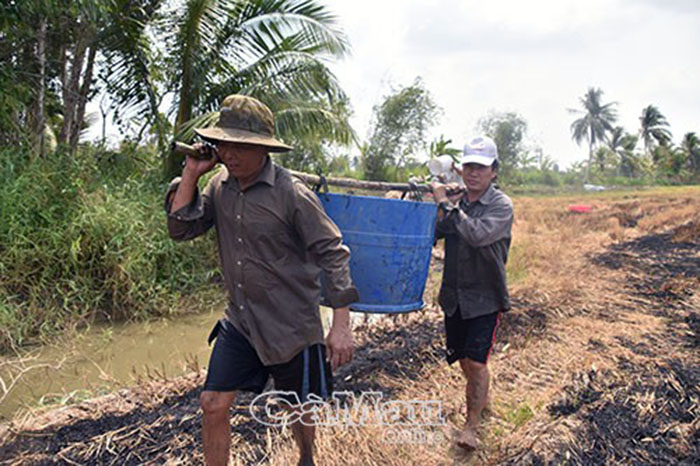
{"x": 235, "y": 366}
{"x": 470, "y": 338}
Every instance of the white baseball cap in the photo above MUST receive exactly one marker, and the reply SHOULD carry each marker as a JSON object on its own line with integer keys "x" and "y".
{"x": 481, "y": 150}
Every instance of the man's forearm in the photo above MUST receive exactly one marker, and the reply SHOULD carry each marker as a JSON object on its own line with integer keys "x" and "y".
{"x": 339, "y": 342}
{"x": 341, "y": 317}
{"x": 185, "y": 192}
{"x": 440, "y": 196}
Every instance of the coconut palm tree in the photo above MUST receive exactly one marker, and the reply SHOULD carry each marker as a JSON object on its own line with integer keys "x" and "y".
{"x": 273, "y": 50}
{"x": 596, "y": 119}
{"x": 691, "y": 146}
{"x": 622, "y": 144}
{"x": 654, "y": 129}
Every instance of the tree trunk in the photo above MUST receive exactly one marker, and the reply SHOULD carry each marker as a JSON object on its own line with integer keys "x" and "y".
{"x": 171, "y": 164}
{"x": 171, "y": 161}
{"x": 103, "y": 112}
{"x": 187, "y": 93}
{"x": 588, "y": 165}
{"x": 154, "y": 121}
{"x": 361, "y": 184}
{"x": 184, "y": 110}
{"x": 82, "y": 100}
{"x": 149, "y": 122}
{"x": 187, "y": 97}
{"x": 71, "y": 88}
{"x": 63, "y": 56}
{"x": 38, "y": 114}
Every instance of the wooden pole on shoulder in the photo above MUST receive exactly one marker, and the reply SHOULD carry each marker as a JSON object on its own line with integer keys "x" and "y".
{"x": 184, "y": 149}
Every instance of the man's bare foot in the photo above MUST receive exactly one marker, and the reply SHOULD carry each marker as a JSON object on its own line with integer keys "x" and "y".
{"x": 467, "y": 439}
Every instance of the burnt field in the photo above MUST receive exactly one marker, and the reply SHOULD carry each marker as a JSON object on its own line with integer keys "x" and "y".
{"x": 597, "y": 363}
{"x": 646, "y": 409}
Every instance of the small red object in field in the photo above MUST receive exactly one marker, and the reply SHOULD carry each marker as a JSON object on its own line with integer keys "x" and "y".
{"x": 580, "y": 208}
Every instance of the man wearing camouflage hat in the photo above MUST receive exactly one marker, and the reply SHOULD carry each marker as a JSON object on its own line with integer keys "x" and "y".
{"x": 273, "y": 238}
{"x": 477, "y": 232}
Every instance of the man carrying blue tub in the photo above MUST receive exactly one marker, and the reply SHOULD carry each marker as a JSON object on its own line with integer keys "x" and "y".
{"x": 477, "y": 232}
{"x": 273, "y": 238}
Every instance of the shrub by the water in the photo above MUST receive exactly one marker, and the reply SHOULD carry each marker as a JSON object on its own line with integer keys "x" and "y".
{"x": 83, "y": 238}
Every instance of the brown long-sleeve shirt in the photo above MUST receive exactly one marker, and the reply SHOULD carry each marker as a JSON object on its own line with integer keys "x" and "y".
{"x": 274, "y": 238}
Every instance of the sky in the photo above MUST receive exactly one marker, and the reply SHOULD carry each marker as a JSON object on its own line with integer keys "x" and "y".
{"x": 535, "y": 57}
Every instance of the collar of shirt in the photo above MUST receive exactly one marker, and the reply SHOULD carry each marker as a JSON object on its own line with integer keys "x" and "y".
{"x": 485, "y": 199}
{"x": 267, "y": 175}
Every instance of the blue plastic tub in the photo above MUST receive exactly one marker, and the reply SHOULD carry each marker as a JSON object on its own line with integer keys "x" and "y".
{"x": 390, "y": 242}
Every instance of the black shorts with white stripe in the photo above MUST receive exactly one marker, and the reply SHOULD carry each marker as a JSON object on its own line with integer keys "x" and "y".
{"x": 235, "y": 366}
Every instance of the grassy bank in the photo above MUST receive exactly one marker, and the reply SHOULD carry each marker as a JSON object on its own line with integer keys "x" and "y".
{"x": 83, "y": 238}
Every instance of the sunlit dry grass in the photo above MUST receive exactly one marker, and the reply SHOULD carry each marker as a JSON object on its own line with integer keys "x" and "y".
{"x": 550, "y": 271}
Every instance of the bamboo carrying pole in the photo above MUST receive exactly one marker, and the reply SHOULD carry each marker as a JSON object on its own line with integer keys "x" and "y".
{"x": 184, "y": 149}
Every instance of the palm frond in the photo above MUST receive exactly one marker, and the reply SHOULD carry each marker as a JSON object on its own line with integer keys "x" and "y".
{"x": 273, "y": 20}
{"x": 186, "y": 131}
{"x": 128, "y": 57}
{"x": 304, "y": 120}
{"x": 292, "y": 74}
{"x": 597, "y": 118}
{"x": 653, "y": 128}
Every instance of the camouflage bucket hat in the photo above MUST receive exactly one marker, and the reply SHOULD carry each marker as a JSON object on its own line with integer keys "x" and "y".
{"x": 244, "y": 120}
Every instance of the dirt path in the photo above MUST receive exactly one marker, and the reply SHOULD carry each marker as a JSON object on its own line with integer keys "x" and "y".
{"x": 608, "y": 375}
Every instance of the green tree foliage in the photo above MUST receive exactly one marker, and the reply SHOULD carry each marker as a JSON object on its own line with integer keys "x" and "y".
{"x": 199, "y": 51}
{"x": 22, "y": 71}
{"x": 653, "y": 129}
{"x": 544, "y": 162}
{"x": 670, "y": 162}
{"x": 691, "y": 147}
{"x": 51, "y": 49}
{"x": 307, "y": 156}
{"x": 313, "y": 142}
{"x": 341, "y": 165}
{"x": 273, "y": 50}
{"x": 398, "y": 131}
{"x": 441, "y": 146}
{"x": 508, "y": 130}
{"x": 601, "y": 158}
{"x": 596, "y": 119}
{"x": 621, "y": 145}
{"x": 132, "y": 69}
